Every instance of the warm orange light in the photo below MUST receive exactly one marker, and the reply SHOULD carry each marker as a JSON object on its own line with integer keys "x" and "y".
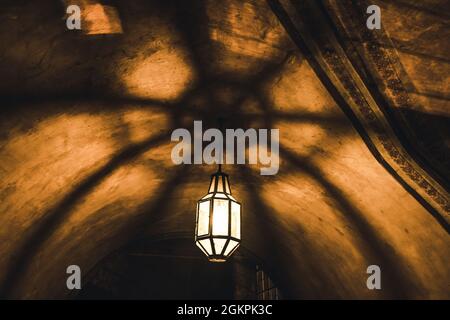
{"x": 101, "y": 19}
{"x": 96, "y": 18}
{"x": 163, "y": 75}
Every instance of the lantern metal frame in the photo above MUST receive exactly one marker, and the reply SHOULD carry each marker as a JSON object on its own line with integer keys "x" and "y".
{"x": 219, "y": 189}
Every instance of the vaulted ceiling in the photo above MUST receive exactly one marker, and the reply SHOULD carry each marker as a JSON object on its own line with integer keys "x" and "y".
{"x": 86, "y": 118}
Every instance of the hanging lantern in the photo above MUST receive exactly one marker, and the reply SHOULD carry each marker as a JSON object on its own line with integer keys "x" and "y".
{"x": 218, "y": 224}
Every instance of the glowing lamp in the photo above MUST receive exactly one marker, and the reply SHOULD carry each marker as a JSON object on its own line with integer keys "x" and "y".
{"x": 218, "y": 221}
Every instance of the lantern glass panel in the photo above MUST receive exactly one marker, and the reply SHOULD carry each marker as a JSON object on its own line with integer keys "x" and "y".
{"x": 219, "y": 184}
{"x": 227, "y": 186}
{"x": 206, "y": 243}
{"x": 235, "y": 220}
{"x": 220, "y": 195}
{"x": 219, "y": 244}
{"x": 231, "y": 245}
{"x": 213, "y": 182}
{"x": 203, "y": 218}
{"x": 201, "y": 248}
{"x": 220, "y": 217}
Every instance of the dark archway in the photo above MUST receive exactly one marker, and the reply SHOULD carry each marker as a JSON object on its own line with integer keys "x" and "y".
{"x": 175, "y": 269}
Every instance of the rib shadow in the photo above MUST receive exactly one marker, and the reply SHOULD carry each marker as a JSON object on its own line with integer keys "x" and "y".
{"x": 398, "y": 279}
{"x": 55, "y": 216}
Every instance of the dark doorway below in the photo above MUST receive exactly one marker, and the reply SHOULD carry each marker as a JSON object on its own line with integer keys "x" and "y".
{"x": 170, "y": 269}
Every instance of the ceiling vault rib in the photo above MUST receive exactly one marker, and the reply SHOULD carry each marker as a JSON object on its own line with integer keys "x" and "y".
{"x": 31, "y": 244}
{"x": 377, "y": 58}
{"x": 336, "y": 72}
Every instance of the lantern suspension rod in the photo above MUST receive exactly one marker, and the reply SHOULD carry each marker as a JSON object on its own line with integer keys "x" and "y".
{"x": 220, "y": 121}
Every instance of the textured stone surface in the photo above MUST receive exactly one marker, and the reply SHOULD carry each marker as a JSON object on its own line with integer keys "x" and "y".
{"x": 85, "y": 153}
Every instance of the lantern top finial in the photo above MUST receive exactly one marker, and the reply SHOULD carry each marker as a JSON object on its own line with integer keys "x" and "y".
{"x": 219, "y": 183}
